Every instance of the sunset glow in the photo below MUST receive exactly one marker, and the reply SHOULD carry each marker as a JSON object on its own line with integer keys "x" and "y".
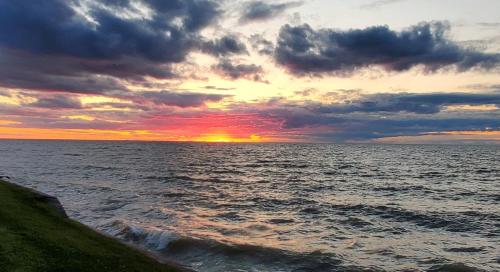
{"x": 132, "y": 135}
{"x": 228, "y": 78}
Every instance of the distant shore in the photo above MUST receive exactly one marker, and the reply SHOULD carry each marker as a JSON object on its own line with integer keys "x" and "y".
{"x": 36, "y": 235}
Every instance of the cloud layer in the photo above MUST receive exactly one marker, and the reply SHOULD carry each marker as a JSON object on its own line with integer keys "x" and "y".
{"x": 57, "y": 102}
{"x": 410, "y": 102}
{"x": 384, "y": 115}
{"x": 304, "y": 50}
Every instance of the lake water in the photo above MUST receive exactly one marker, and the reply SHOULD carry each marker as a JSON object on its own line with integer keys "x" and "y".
{"x": 278, "y": 207}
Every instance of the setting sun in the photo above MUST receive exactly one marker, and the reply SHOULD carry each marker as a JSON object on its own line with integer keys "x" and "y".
{"x": 227, "y": 138}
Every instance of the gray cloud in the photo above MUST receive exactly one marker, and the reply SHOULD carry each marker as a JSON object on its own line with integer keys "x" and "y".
{"x": 365, "y": 129}
{"x": 224, "y": 46}
{"x": 64, "y": 123}
{"x": 238, "y": 71}
{"x": 159, "y": 39}
{"x": 489, "y": 24}
{"x": 21, "y": 70}
{"x": 379, "y": 3}
{"x": 303, "y": 50}
{"x": 262, "y": 45}
{"x": 74, "y": 55}
{"x": 211, "y": 87}
{"x": 48, "y": 46}
{"x": 260, "y": 10}
{"x": 410, "y": 102}
{"x": 183, "y": 100}
{"x": 57, "y": 102}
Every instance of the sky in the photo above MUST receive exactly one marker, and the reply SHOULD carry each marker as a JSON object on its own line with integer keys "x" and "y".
{"x": 360, "y": 71}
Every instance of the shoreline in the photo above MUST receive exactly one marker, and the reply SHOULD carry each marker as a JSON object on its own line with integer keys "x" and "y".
{"x": 51, "y": 221}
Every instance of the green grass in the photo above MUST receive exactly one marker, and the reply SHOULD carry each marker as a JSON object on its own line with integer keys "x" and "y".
{"x": 35, "y": 237}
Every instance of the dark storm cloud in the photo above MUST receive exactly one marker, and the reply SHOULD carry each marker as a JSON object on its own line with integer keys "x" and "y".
{"x": 48, "y": 46}
{"x": 53, "y": 27}
{"x": 238, "y": 71}
{"x": 261, "y": 10}
{"x": 224, "y": 46}
{"x": 183, "y": 100}
{"x": 57, "y": 102}
{"x": 29, "y": 71}
{"x": 303, "y": 50}
{"x": 412, "y": 103}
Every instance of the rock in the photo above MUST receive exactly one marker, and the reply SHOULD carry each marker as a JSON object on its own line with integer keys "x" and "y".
{"x": 51, "y": 201}
{"x": 41, "y": 197}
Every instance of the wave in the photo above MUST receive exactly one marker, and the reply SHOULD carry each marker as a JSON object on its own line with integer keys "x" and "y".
{"x": 197, "y": 253}
{"x": 469, "y": 221}
{"x": 210, "y": 255}
{"x": 454, "y": 267}
{"x": 73, "y": 154}
{"x": 99, "y": 168}
{"x": 152, "y": 239}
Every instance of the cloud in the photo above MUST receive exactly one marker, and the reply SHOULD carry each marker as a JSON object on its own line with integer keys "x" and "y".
{"x": 21, "y": 70}
{"x": 183, "y": 100}
{"x": 489, "y": 24}
{"x": 57, "y": 102}
{"x": 262, "y": 45}
{"x": 211, "y": 87}
{"x": 239, "y": 71}
{"x": 410, "y": 102}
{"x": 224, "y": 46}
{"x": 89, "y": 47}
{"x": 67, "y": 123}
{"x": 53, "y": 52}
{"x": 65, "y": 111}
{"x": 344, "y": 127}
{"x": 303, "y": 50}
{"x": 260, "y": 10}
{"x": 379, "y": 3}
{"x": 378, "y": 116}
{"x": 53, "y": 27}
{"x": 5, "y": 93}
{"x": 390, "y": 115}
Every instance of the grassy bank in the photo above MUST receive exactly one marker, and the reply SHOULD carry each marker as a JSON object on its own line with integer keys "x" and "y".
{"x": 35, "y": 236}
